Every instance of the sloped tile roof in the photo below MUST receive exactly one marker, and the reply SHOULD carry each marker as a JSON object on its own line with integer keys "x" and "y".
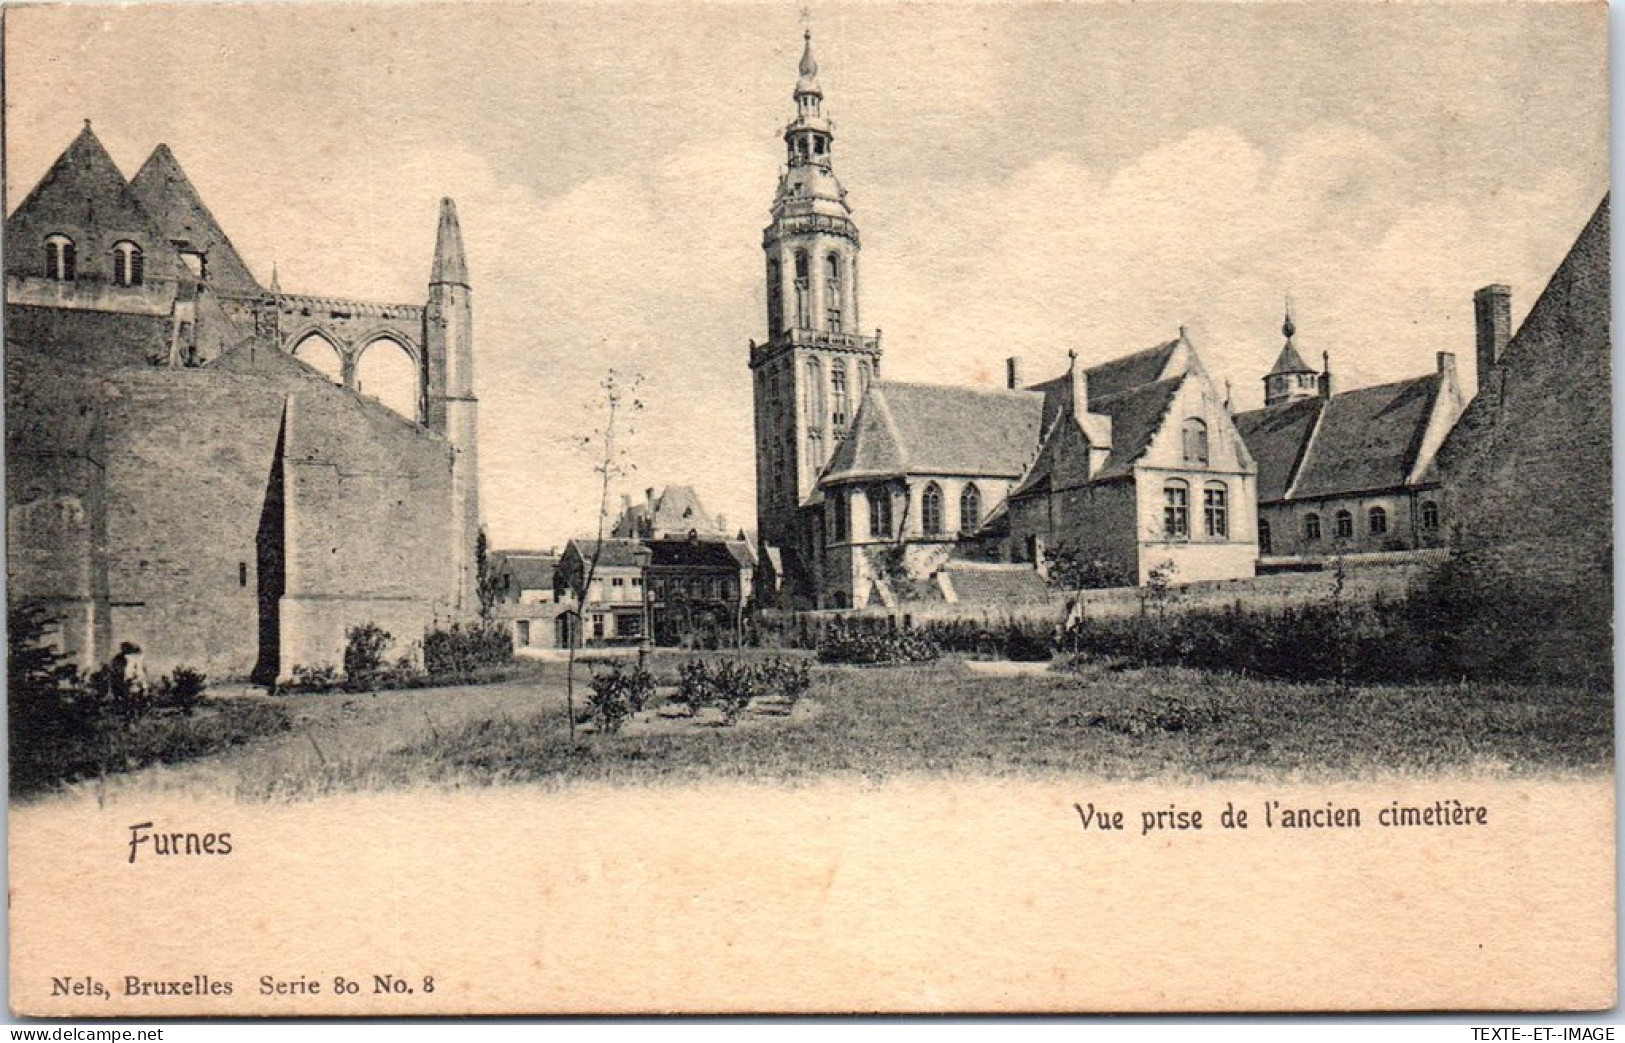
{"x": 996, "y": 584}
{"x": 615, "y": 553}
{"x": 1136, "y": 414}
{"x": 529, "y": 571}
{"x": 1108, "y": 379}
{"x": 939, "y": 429}
{"x": 685, "y": 553}
{"x": 1364, "y": 440}
{"x": 1276, "y": 437}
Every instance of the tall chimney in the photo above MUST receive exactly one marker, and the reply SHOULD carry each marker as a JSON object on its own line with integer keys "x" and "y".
{"x": 1080, "y": 385}
{"x": 1492, "y": 311}
{"x": 1325, "y": 374}
{"x": 1012, "y": 373}
{"x": 1447, "y": 362}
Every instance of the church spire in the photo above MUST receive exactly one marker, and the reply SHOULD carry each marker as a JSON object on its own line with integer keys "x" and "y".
{"x": 449, "y": 266}
{"x": 808, "y": 84}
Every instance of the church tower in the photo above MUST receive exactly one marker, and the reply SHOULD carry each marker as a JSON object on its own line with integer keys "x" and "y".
{"x": 449, "y": 406}
{"x": 811, "y": 373}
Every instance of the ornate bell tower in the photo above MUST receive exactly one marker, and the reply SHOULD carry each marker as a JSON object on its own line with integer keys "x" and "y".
{"x": 811, "y": 373}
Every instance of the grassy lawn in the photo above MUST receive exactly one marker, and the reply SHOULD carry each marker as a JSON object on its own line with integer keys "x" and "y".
{"x": 942, "y": 718}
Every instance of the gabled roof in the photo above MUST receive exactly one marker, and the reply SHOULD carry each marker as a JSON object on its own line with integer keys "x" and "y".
{"x": 529, "y": 571}
{"x": 615, "y": 553}
{"x": 181, "y": 216}
{"x": 938, "y": 429}
{"x": 1277, "y": 437}
{"x": 1358, "y": 441}
{"x": 85, "y": 188}
{"x": 1136, "y": 416}
{"x": 1112, "y": 377}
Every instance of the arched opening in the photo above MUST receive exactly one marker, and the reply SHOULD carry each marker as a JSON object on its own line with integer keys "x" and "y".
{"x": 931, "y": 510}
{"x": 128, "y": 264}
{"x": 386, "y": 372}
{"x": 320, "y": 354}
{"x": 970, "y": 508}
{"x": 59, "y": 258}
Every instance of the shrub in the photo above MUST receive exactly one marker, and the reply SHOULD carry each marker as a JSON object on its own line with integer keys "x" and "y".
{"x": 617, "y": 694}
{"x": 848, "y": 641}
{"x": 790, "y": 678}
{"x": 1028, "y": 643}
{"x": 459, "y": 652}
{"x": 364, "y": 648}
{"x": 315, "y": 679}
{"x": 182, "y": 690}
{"x": 694, "y": 689}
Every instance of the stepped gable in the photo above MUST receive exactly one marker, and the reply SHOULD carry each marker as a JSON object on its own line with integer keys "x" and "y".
{"x": 183, "y": 218}
{"x": 939, "y": 429}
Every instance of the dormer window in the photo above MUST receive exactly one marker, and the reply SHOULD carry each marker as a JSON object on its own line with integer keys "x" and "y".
{"x": 59, "y": 258}
{"x": 128, "y": 264}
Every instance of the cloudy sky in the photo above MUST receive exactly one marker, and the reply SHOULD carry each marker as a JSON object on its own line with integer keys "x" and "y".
{"x": 1028, "y": 179}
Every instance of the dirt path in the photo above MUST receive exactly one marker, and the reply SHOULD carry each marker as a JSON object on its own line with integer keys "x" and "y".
{"x": 332, "y": 729}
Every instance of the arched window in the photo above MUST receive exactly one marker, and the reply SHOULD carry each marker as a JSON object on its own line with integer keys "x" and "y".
{"x": 842, "y": 403}
{"x": 931, "y": 509}
{"x": 1430, "y": 515}
{"x": 803, "y": 291}
{"x": 777, "y": 489}
{"x": 1263, "y": 536}
{"x": 879, "y": 511}
{"x": 864, "y": 373}
{"x": 1345, "y": 525}
{"x": 815, "y": 452}
{"x": 128, "y": 264}
{"x": 970, "y": 508}
{"x": 59, "y": 258}
{"x": 832, "y": 291}
{"x": 775, "y": 297}
{"x": 386, "y": 371}
{"x": 1195, "y": 441}
{"x": 1176, "y": 510}
{"x": 1377, "y": 520}
{"x": 812, "y": 395}
{"x": 1216, "y": 510}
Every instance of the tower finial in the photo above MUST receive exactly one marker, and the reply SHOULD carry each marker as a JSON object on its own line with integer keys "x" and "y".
{"x": 1288, "y": 329}
{"x": 449, "y": 266}
{"x": 809, "y": 64}
{"x": 276, "y": 280}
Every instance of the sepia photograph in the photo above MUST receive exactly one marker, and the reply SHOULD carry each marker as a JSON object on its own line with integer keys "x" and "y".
{"x": 702, "y": 507}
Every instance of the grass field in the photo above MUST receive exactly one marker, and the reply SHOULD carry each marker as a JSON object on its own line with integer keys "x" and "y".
{"x": 873, "y": 723}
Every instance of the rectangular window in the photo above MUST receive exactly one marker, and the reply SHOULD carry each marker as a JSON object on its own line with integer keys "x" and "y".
{"x": 597, "y": 624}
{"x": 1311, "y": 527}
{"x": 242, "y": 573}
{"x": 1176, "y": 512}
{"x": 617, "y": 582}
{"x": 1215, "y": 513}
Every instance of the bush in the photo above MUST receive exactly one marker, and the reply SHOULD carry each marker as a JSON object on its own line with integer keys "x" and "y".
{"x": 1028, "y": 644}
{"x": 364, "y": 648}
{"x": 617, "y": 694}
{"x": 730, "y": 685}
{"x": 851, "y": 641}
{"x": 182, "y": 690}
{"x": 733, "y": 686}
{"x": 460, "y": 652}
{"x": 315, "y": 679}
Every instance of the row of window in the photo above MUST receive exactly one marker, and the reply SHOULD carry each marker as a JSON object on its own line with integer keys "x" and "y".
{"x": 62, "y": 261}
{"x": 803, "y": 289}
{"x": 1176, "y": 510}
{"x": 1376, "y": 522}
{"x": 881, "y": 526}
{"x": 695, "y": 588}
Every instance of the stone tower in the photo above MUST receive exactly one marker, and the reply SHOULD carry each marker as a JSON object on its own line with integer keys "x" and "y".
{"x": 811, "y": 373}
{"x": 1291, "y": 378}
{"x": 449, "y": 406}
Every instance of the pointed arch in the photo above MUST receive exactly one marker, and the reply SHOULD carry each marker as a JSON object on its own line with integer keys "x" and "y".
{"x": 970, "y": 508}
{"x": 387, "y": 371}
{"x": 931, "y": 509}
{"x": 318, "y": 351}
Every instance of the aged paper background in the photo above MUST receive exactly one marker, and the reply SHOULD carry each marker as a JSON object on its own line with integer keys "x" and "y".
{"x": 917, "y": 893}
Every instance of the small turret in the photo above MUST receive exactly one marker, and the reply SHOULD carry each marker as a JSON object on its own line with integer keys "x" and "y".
{"x": 1291, "y": 378}
{"x": 449, "y": 403}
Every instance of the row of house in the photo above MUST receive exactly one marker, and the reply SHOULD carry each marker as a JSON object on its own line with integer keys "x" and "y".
{"x": 669, "y": 573}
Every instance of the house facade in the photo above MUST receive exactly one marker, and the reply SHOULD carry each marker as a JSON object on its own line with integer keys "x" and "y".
{"x": 1141, "y": 471}
{"x": 614, "y": 611}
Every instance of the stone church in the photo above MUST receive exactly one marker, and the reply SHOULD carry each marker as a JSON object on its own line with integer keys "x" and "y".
{"x": 177, "y": 477}
{"x": 873, "y": 492}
